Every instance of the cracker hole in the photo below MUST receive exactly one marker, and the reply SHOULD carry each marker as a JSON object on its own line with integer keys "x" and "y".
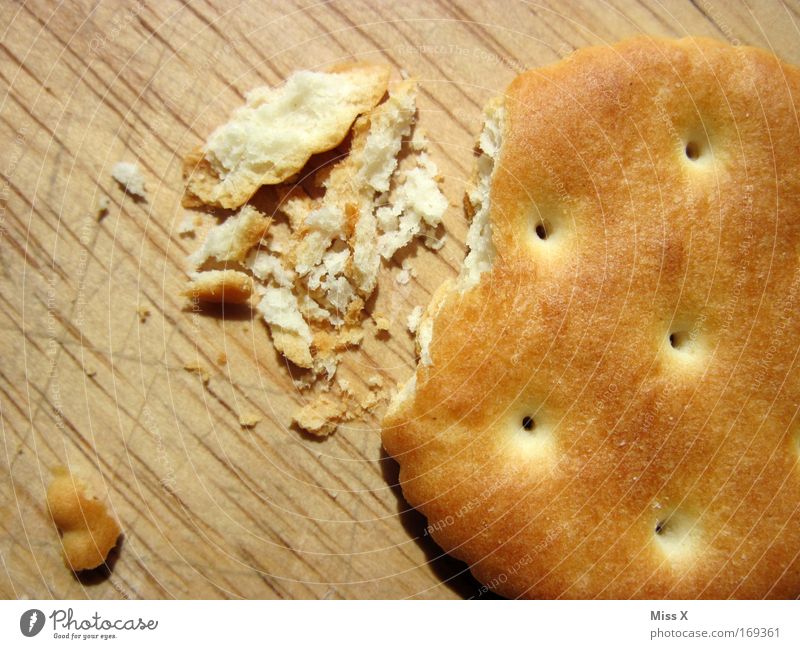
{"x": 693, "y": 150}
{"x": 680, "y": 340}
{"x": 543, "y": 230}
{"x": 677, "y": 534}
{"x": 528, "y": 423}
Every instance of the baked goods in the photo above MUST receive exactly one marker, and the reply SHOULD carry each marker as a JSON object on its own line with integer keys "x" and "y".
{"x": 88, "y": 531}
{"x": 129, "y": 176}
{"x": 273, "y": 135}
{"x": 606, "y": 400}
{"x": 219, "y": 286}
{"x": 313, "y": 262}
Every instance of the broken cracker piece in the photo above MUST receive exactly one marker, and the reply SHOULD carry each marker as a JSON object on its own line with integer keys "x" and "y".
{"x": 273, "y": 135}
{"x": 321, "y": 416}
{"x": 414, "y": 319}
{"x": 186, "y": 228}
{"x": 381, "y": 322}
{"x": 231, "y": 240}
{"x": 218, "y": 286}
{"x": 103, "y": 204}
{"x": 249, "y": 419}
{"x": 199, "y": 370}
{"x": 129, "y": 176}
{"x": 291, "y": 334}
{"x": 88, "y": 531}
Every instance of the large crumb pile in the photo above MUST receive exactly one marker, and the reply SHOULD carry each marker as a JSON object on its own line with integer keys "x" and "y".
{"x": 311, "y": 265}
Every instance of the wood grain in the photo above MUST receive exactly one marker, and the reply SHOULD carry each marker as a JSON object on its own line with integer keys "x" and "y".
{"x": 210, "y": 509}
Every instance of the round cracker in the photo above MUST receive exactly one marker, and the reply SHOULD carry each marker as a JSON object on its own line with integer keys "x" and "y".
{"x": 612, "y": 411}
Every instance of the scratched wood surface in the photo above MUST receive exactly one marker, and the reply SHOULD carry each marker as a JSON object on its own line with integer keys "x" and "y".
{"x": 209, "y": 509}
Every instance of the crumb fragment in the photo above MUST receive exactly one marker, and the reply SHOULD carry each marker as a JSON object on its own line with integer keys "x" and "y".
{"x": 218, "y": 286}
{"x": 381, "y": 322}
{"x": 231, "y": 240}
{"x": 222, "y": 358}
{"x": 321, "y": 416}
{"x": 273, "y": 135}
{"x": 315, "y": 270}
{"x": 130, "y": 178}
{"x": 249, "y": 419}
{"x": 88, "y": 531}
{"x": 199, "y": 370}
{"x": 186, "y": 228}
{"x": 414, "y": 319}
{"x": 375, "y": 381}
{"x": 143, "y": 312}
{"x": 102, "y": 207}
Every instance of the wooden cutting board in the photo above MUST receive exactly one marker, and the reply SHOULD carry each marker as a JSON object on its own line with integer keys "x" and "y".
{"x": 94, "y": 335}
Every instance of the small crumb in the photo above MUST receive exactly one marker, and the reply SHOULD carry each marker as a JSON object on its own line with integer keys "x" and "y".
{"x": 91, "y": 373}
{"x": 344, "y": 385}
{"x": 144, "y": 313}
{"x": 302, "y": 383}
{"x": 102, "y": 207}
{"x": 375, "y": 381}
{"x": 402, "y": 277}
{"x": 88, "y": 531}
{"x": 187, "y": 226}
{"x": 321, "y": 416}
{"x": 432, "y": 243}
{"x": 406, "y": 265}
{"x": 419, "y": 140}
{"x": 381, "y": 322}
{"x": 129, "y": 176}
{"x": 276, "y": 246}
{"x": 414, "y": 319}
{"x": 249, "y": 419}
{"x": 222, "y": 358}
{"x": 199, "y": 370}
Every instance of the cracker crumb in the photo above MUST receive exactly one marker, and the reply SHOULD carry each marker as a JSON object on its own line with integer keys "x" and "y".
{"x": 129, "y": 176}
{"x": 249, "y": 419}
{"x": 414, "y": 319}
{"x": 144, "y": 313}
{"x": 222, "y": 358}
{"x": 321, "y": 416}
{"x": 102, "y": 207}
{"x": 344, "y": 386}
{"x": 199, "y": 370}
{"x": 88, "y": 530}
{"x": 402, "y": 277}
{"x": 186, "y": 228}
{"x": 381, "y": 322}
{"x": 375, "y": 381}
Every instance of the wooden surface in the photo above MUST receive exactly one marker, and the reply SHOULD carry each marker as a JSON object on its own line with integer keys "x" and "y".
{"x": 210, "y": 509}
